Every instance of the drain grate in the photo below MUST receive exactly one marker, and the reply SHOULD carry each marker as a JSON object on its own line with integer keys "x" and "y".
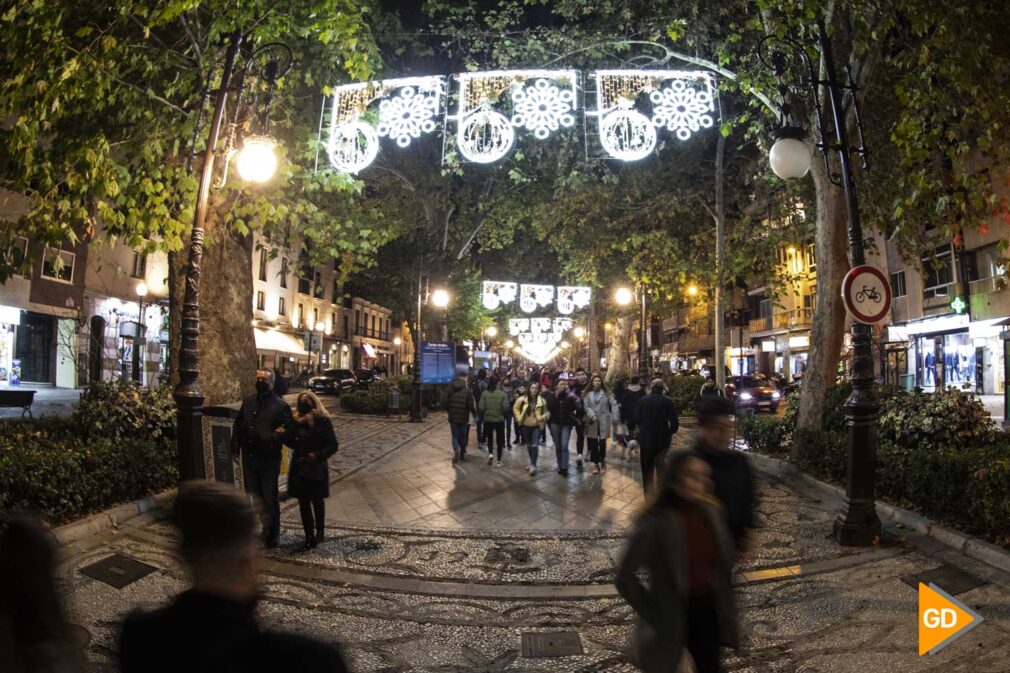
{"x": 507, "y": 554}
{"x": 950, "y": 578}
{"x": 553, "y": 644}
{"x": 118, "y": 571}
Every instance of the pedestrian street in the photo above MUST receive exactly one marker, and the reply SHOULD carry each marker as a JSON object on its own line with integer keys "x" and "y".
{"x": 432, "y": 567}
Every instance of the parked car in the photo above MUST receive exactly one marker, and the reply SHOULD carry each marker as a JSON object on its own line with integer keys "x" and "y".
{"x": 366, "y": 376}
{"x": 333, "y": 381}
{"x": 750, "y": 392}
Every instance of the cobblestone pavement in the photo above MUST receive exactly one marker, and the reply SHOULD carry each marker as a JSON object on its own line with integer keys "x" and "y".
{"x": 431, "y": 568}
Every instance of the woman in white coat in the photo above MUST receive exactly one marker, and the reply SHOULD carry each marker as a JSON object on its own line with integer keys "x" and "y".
{"x": 601, "y": 412}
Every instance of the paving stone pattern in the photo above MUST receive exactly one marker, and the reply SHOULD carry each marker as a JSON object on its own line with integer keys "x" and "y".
{"x": 400, "y": 512}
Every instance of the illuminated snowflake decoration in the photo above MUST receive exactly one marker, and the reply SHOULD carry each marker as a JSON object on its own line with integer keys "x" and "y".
{"x": 485, "y": 136}
{"x": 627, "y": 134}
{"x": 352, "y": 146}
{"x": 542, "y": 108}
{"x": 682, "y": 108}
{"x": 407, "y": 115}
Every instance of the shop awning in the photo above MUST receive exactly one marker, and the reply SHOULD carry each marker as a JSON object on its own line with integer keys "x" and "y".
{"x": 281, "y": 342}
{"x": 369, "y": 350}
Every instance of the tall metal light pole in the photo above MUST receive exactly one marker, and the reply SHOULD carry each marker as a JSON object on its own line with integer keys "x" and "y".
{"x": 643, "y": 347}
{"x": 254, "y": 164}
{"x": 138, "y": 362}
{"x": 857, "y": 524}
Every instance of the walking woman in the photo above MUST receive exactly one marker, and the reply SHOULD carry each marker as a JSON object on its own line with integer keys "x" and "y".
{"x": 492, "y": 407}
{"x": 313, "y": 441}
{"x": 518, "y": 392}
{"x": 682, "y": 543}
{"x": 531, "y": 413}
{"x": 601, "y": 412}
{"x": 562, "y": 408}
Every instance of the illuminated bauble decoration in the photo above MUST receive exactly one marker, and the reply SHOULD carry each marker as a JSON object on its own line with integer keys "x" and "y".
{"x": 542, "y": 108}
{"x": 627, "y": 134}
{"x": 407, "y": 115}
{"x": 353, "y": 146}
{"x": 681, "y": 108}
{"x": 485, "y": 136}
{"x": 257, "y": 160}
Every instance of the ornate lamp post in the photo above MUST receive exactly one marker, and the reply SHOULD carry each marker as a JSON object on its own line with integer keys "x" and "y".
{"x": 138, "y": 362}
{"x": 624, "y": 296}
{"x": 254, "y": 163}
{"x": 857, "y": 524}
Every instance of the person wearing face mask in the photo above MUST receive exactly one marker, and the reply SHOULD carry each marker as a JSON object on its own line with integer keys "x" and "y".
{"x": 212, "y": 625}
{"x": 682, "y": 544}
{"x": 258, "y": 435}
{"x": 313, "y": 441}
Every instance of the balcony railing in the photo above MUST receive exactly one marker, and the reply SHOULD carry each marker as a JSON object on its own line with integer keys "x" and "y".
{"x": 371, "y": 333}
{"x": 986, "y": 285}
{"x": 799, "y": 317}
{"x": 760, "y": 324}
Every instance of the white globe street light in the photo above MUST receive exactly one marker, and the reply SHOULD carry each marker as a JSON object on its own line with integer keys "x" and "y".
{"x": 623, "y": 296}
{"x": 440, "y": 298}
{"x": 397, "y": 341}
{"x": 492, "y": 331}
{"x": 257, "y": 160}
{"x": 141, "y": 289}
{"x": 790, "y": 157}
{"x": 509, "y": 344}
{"x": 579, "y": 332}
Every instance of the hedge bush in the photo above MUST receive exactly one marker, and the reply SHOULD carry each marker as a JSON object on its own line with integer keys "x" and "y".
{"x": 938, "y": 454}
{"x": 684, "y": 390}
{"x": 118, "y": 446}
{"x": 765, "y": 434}
{"x": 375, "y": 398}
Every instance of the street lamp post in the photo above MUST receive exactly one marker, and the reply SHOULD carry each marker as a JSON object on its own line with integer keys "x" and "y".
{"x": 188, "y": 395}
{"x": 138, "y": 362}
{"x": 440, "y": 299}
{"x": 857, "y": 524}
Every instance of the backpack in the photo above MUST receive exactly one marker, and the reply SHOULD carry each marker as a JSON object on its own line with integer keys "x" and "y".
{"x": 477, "y": 388}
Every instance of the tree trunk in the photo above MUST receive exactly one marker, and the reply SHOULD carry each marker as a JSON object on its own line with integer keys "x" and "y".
{"x": 829, "y": 324}
{"x": 227, "y": 346}
{"x": 620, "y": 341}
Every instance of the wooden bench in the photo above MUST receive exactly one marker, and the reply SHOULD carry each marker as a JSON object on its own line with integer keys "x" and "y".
{"x": 18, "y": 398}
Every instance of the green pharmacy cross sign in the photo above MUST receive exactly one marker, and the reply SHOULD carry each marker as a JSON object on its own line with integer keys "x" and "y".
{"x": 958, "y": 305}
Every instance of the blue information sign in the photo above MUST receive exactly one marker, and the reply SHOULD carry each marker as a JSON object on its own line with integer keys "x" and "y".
{"x": 438, "y": 362}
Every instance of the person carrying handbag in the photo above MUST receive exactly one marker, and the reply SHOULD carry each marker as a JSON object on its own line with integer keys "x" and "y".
{"x": 313, "y": 441}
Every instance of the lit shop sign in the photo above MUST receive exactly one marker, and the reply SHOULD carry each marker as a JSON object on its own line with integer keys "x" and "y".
{"x": 539, "y": 338}
{"x": 534, "y": 297}
{"x": 9, "y": 315}
{"x": 496, "y": 109}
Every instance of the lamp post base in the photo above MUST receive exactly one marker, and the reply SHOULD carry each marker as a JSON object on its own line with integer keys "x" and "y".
{"x": 189, "y": 421}
{"x": 415, "y": 403}
{"x": 857, "y": 525}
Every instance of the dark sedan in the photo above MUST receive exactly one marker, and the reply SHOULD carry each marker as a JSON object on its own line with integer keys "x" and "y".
{"x": 333, "y": 381}
{"x": 755, "y": 393}
{"x": 366, "y": 376}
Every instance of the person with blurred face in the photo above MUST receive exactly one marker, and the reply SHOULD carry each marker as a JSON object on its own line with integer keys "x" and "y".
{"x": 531, "y": 412}
{"x": 579, "y": 388}
{"x": 600, "y": 410}
{"x": 563, "y": 406}
{"x": 682, "y": 546}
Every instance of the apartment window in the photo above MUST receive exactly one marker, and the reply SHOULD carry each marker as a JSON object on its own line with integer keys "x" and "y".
{"x": 263, "y": 264}
{"x": 317, "y": 285}
{"x": 58, "y": 265}
{"x": 261, "y": 301}
{"x": 937, "y": 273}
{"x": 299, "y": 315}
{"x": 333, "y": 323}
{"x": 765, "y": 308}
{"x": 810, "y": 259}
{"x": 336, "y": 291}
{"x": 315, "y": 317}
{"x": 898, "y": 284}
{"x": 139, "y": 269}
{"x": 373, "y": 326}
{"x": 357, "y": 320}
{"x": 284, "y": 272}
{"x": 281, "y": 308}
{"x": 19, "y": 253}
{"x": 347, "y": 330}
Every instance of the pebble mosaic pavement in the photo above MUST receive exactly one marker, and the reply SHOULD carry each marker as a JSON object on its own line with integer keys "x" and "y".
{"x": 435, "y": 569}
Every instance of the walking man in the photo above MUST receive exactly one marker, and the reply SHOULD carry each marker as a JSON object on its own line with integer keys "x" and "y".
{"x": 579, "y": 388}
{"x": 656, "y": 418}
{"x": 258, "y": 433}
{"x": 478, "y": 387}
{"x": 212, "y": 626}
{"x": 493, "y": 406}
{"x": 732, "y": 474}
{"x": 629, "y": 400}
{"x": 461, "y": 406}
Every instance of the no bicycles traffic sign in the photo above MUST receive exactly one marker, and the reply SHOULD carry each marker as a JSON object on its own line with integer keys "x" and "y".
{"x": 867, "y": 294}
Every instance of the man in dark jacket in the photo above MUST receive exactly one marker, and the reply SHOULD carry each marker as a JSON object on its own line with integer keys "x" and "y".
{"x": 258, "y": 433}
{"x": 212, "y": 627}
{"x": 578, "y": 388}
{"x": 477, "y": 387}
{"x": 460, "y": 405}
{"x": 628, "y": 401}
{"x": 732, "y": 474}
{"x": 656, "y": 418}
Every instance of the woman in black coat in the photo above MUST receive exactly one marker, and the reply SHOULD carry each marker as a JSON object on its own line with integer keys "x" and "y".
{"x": 313, "y": 441}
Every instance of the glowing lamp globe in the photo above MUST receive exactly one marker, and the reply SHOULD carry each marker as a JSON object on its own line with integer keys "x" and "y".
{"x": 257, "y": 160}
{"x": 492, "y": 331}
{"x": 579, "y": 332}
{"x": 623, "y": 296}
{"x": 509, "y": 344}
{"x": 790, "y": 157}
{"x": 440, "y": 298}
{"x": 397, "y": 341}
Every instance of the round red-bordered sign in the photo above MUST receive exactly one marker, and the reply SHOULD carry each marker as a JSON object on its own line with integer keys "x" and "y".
{"x": 867, "y": 294}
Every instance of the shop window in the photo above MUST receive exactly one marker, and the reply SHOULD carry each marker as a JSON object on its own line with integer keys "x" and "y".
{"x": 58, "y": 265}
{"x": 261, "y": 301}
{"x": 937, "y": 273}
{"x": 281, "y": 309}
{"x": 284, "y": 272}
{"x": 263, "y": 264}
{"x": 139, "y": 266}
{"x": 898, "y": 284}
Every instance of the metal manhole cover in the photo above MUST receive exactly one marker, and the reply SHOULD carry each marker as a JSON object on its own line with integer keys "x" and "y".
{"x": 554, "y": 644}
{"x": 950, "y": 578}
{"x": 507, "y": 554}
{"x": 118, "y": 571}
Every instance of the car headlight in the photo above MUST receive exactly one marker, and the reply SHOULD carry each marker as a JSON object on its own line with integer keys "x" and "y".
{"x": 776, "y": 395}
{"x": 746, "y": 396}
